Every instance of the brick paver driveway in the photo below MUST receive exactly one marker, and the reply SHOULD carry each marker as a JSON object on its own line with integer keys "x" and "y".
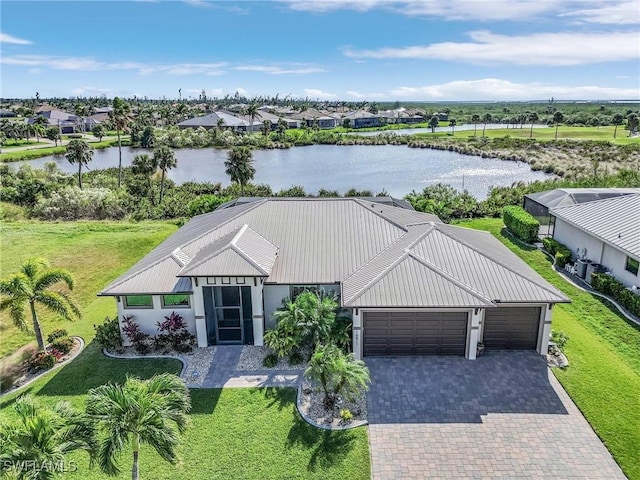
{"x": 501, "y": 416}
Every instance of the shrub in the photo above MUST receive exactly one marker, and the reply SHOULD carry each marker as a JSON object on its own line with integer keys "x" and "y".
{"x": 138, "y": 339}
{"x": 42, "y": 361}
{"x": 73, "y": 204}
{"x": 270, "y": 361}
{"x": 615, "y": 289}
{"x": 58, "y": 333}
{"x": 64, "y": 345}
{"x": 108, "y": 334}
{"x": 9, "y": 374}
{"x": 521, "y": 223}
{"x": 206, "y": 203}
{"x": 174, "y": 335}
{"x": 560, "y": 338}
{"x": 295, "y": 358}
{"x": 345, "y": 415}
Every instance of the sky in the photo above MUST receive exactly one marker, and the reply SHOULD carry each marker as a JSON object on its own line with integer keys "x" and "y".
{"x": 350, "y": 50}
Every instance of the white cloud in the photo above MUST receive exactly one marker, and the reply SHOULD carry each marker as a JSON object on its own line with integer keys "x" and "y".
{"x": 6, "y": 38}
{"x": 242, "y": 91}
{"x": 564, "y": 48}
{"x": 353, "y": 93}
{"x": 90, "y": 91}
{"x": 319, "y": 94}
{"x": 490, "y": 89}
{"x": 293, "y": 70}
{"x": 613, "y": 11}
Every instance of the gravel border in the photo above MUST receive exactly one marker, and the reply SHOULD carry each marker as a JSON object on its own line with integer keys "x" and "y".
{"x": 253, "y": 355}
{"x": 312, "y": 411}
{"x": 55, "y": 367}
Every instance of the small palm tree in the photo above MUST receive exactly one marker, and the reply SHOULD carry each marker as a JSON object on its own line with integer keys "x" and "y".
{"x": 453, "y": 124}
{"x": 617, "y": 119}
{"x": 633, "y": 119}
{"x": 166, "y": 160}
{"x": 337, "y": 373}
{"x": 150, "y": 411}
{"x": 533, "y": 118}
{"x": 475, "y": 119}
{"x": 30, "y": 286}
{"x": 558, "y": 117}
{"x": 79, "y": 152}
{"x": 239, "y": 166}
{"x": 486, "y": 119}
{"x": 252, "y": 112}
{"x": 145, "y": 166}
{"x": 35, "y": 445}
{"x": 433, "y": 123}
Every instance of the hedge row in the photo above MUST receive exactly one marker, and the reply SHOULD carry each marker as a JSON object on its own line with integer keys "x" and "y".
{"x": 521, "y": 223}
{"x": 560, "y": 252}
{"x": 615, "y": 289}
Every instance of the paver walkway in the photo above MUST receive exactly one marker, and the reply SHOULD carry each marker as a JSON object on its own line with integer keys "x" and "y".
{"x": 502, "y": 416}
{"x": 223, "y": 372}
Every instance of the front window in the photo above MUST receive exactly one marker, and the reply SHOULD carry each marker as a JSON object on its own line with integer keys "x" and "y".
{"x": 632, "y": 265}
{"x": 138, "y": 301}
{"x": 175, "y": 301}
{"x": 298, "y": 289}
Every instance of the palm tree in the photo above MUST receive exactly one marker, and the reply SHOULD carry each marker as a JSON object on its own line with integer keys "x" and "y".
{"x": 475, "y": 119}
{"x": 617, "y": 119}
{"x": 251, "y": 111}
{"x": 453, "y": 124}
{"x": 150, "y": 411}
{"x": 433, "y": 123}
{"x": 282, "y": 127}
{"x": 30, "y": 286}
{"x": 239, "y": 166}
{"x": 533, "y": 118}
{"x": 145, "y": 166}
{"x": 120, "y": 119}
{"x": 166, "y": 160}
{"x": 557, "y": 118}
{"x": 34, "y": 445}
{"x": 79, "y": 152}
{"x": 632, "y": 121}
{"x": 486, "y": 119}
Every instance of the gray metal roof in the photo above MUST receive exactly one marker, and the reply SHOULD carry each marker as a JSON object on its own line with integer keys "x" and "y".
{"x": 383, "y": 255}
{"x": 613, "y": 220}
{"x": 570, "y": 196}
{"x": 211, "y": 120}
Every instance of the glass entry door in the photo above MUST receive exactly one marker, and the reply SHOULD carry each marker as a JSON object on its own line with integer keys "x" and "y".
{"x": 226, "y": 317}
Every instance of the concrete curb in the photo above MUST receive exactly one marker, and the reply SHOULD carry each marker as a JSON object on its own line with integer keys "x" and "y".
{"x": 106, "y": 353}
{"x": 55, "y": 367}
{"x": 359, "y": 423}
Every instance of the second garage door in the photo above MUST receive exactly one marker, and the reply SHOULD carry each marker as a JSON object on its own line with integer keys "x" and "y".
{"x": 414, "y": 333}
{"x": 511, "y": 328}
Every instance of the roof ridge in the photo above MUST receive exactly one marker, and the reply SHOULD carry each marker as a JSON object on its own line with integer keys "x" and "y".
{"x": 466, "y": 244}
{"x": 362, "y": 204}
{"x": 449, "y": 277}
{"x": 247, "y": 258}
{"x": 126, "y": 279}
{"x": 373, "y": 281}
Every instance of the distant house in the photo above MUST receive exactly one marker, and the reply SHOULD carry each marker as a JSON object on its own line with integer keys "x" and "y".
{"x": 539, "y": 204}
{"x": 363, "y": 119}
{"x": 412, "y": 284}
{"x": 313, "y": 117}
{"x": 6, "y": 113}
{"x": 602, "y": 232}
{"x": 66, "y": 122}
{"x": 228, "y": 121}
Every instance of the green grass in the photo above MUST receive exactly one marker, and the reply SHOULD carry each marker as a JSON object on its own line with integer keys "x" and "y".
{"x": 603, "y": 377}
{"x": 22, "y": 143}
{"x": 94, "y": 252}
{"x": 59, "y": 150}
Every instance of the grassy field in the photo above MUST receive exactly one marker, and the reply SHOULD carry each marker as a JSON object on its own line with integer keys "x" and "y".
{"x": 603, "y": 377}
{"x": 37, "y": 152}
{"x": 94, "y": 252}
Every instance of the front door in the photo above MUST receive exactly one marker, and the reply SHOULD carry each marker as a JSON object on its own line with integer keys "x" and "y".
{"x": 227, "y": 311}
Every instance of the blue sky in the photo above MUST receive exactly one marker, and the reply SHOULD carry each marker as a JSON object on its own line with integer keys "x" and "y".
{"x": 375, "y": 50}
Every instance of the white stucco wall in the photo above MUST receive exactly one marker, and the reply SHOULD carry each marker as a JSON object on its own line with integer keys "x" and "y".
{"x": 148, "y": 318}
{"x": 615, "y": 260}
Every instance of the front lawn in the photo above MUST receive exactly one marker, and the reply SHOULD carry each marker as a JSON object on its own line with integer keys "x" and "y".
{"x": 603, "y": 377}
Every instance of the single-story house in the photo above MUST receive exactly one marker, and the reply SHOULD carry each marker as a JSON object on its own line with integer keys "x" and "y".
{"x": 538, "y": 204}
{"x": 66, "y": 122}
{"x": 603, "y": 232}
{"x": 314, "y": 117}
{"x": 413, "y": 285}
{"x": 220, "y": 118}
{"x": 362, "y": 118}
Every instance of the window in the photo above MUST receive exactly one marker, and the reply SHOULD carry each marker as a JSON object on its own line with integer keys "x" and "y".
{"x": 138, "y": 301}
{"x": 632, "y": 265}
{"x": 175, "y": 301}
{"x": 298, "y": 289}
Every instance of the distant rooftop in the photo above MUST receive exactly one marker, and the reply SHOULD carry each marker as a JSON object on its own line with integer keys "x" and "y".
{"x": 561, "y": 197}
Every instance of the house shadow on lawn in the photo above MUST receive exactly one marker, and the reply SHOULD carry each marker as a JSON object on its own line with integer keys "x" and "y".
{"x": 328, "y": 448}
{"x": 204, "y": 400}
{"x": 91, "y": 369}
{"x": 456, "y": 390}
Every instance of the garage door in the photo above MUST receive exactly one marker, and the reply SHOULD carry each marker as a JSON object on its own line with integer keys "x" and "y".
{"x": 414, "y": 333}
{"x": 511, "y": 328}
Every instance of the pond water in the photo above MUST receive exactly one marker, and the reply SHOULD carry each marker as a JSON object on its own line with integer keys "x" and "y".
{"x": 396, "y": 169}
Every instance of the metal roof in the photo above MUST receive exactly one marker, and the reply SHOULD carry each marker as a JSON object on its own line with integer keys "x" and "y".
{"x": 570, "y": 196}
{"x": 381, "y": 254}
{"x": 613, "y": 220}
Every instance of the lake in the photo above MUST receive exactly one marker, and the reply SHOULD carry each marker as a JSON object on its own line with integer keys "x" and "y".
{"x": 396, "y": 169}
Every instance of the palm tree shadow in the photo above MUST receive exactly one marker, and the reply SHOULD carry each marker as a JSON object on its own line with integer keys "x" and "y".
{"x": 329, "y": 447}
{"x": 281, "y": 397}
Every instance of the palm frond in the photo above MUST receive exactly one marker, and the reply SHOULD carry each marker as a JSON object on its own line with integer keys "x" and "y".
{"x": 16, "y": 312}
{"x": 57, "y": 303}
{"x": 51, "y": 277}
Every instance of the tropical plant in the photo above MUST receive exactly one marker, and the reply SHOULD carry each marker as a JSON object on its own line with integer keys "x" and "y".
{"x": 53, "y": 134}
{"x": 433, "y": 123}
{"x": 139, "y": 339}
{"x": 119, "y": 117}
{"x": 31, "y": 286}
{"x": 166, "y": 160}
{"x": 533, "y": 118}
{"x": 152, "y": 412}
{"x": 475, "y": 118}
{"x": 252, "y": 112}
{"x": 108, "y": 334}
{"x": 239, "y": 166}
{"x": 453, "y": 124}
{"x": 632, "y": 121}
{"x": 486, "y": 119}
{"x": 337, "y": 374}
{"x": 34, "y": 446}
{"x": 558, "y": 118}
{"x": 145, "y": 166}
{"x": 56, "y": 334}
{"x": 98, "y": 131}
{"x": 79, "y": 153}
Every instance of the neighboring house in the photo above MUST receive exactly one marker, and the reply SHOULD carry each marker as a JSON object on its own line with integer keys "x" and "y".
{"x": 314, "y": 117}
{"x": 604, "y": 232}
{"x": 362, "y": 119}
{"x": 4, "y": 113}
{"x": 413, "y": 285}
{"x": 230, "y": 121}
{"x": 260, "y": 118}
{"x": 538, "y": 204}
{"x": 66, "y": 122}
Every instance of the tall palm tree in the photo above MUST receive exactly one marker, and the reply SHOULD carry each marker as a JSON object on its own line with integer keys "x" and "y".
{"x": 453, "y": 124}
{"x": 166, "y": 160}
{"x": 239, "y": 166}
{"x": 30, "y": 286}
{"x": 632, "y": 120}
{"x": 150, "y": 411}
{"x": 34, "y": 445}
{"x": 475, "y": 119}
{"x": 533, "y": 118}
{"x": 252, "y": 112}
{"x": 120, "y": 119}
{"x": 145, "y": 166}
{"x": 79, "y": 152}
{"x": 486, "y": 119}
{"x": 617, "y": 119}
{"x": 558, "y": 117}
{"x": 433, "y": 123}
